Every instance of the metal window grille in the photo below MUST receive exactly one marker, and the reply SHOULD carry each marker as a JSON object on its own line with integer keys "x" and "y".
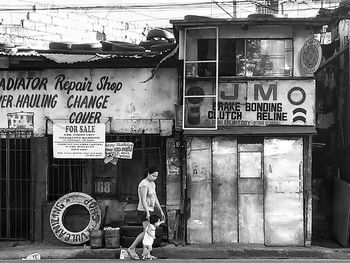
{"x": 149, "y": 150}
{"x": 15, "y": 185}
{"x": 64, "y": 176}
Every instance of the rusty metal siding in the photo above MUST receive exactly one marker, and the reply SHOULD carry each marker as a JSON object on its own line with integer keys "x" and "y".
{"x": 199, "y": 176}
{"x": 283, "y": 169}
{"x": 224, "y": 189}
{"x": 173, "y": 176}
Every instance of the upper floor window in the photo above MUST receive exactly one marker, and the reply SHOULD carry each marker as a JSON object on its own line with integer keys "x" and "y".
{"x": 246, "y": 57}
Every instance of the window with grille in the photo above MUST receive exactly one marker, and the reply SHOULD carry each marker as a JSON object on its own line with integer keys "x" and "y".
{"x": 110, "y": 181}
{"x": 120, "y": 181}
{"x": 64, "y": 175}
{"x": 247, "y": 57}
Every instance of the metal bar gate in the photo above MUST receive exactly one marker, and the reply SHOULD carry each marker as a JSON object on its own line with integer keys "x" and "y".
{"x": 15, "y": 184}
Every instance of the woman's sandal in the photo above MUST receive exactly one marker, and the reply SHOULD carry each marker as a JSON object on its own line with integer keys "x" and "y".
{"x": 132, "y": 254}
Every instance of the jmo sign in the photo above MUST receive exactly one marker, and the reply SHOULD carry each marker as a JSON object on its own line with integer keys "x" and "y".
{"x": 255, "y": 103}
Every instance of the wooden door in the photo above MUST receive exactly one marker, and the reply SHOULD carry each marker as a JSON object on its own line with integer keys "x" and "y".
{"x": 199, "y": 193}
{"x": 225, "y": 190}
{"x": 283, "y": 169}
{"x": 250, "y": 193}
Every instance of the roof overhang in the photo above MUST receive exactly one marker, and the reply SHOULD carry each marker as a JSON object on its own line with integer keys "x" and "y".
{"x": 254, "y": 20}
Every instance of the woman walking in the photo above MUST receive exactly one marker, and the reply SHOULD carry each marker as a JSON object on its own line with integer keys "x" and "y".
{"x": 148, "y": 200}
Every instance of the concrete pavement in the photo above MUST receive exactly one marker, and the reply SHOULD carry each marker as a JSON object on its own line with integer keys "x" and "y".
{"x": 13, "y": 250}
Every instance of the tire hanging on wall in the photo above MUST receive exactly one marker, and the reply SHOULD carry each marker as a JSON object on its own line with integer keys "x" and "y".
{"x": 60, "y": 208}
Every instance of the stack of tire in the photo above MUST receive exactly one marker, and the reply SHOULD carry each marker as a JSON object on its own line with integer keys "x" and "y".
{"x": 97, "y": 46}
{"x": 121, "y": 46}
{"x": 129, "y": 233}
{"x": 158, "y": 40}
{"x": 7, "y": 47}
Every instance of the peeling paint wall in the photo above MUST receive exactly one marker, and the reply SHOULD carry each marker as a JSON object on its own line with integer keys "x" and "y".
{"x": 199, "y": 174}
{"x": 283, "y": 168}
{"x": 89, "y": 96}
{"x": 225, "y": 189}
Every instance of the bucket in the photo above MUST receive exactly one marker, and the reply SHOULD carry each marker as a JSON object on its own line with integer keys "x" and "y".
{"x": 112, "y": 238}
{"x": 96, "y": 239}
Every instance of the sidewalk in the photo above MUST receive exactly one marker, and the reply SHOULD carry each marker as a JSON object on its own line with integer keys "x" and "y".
{"x": 212, "y": 251}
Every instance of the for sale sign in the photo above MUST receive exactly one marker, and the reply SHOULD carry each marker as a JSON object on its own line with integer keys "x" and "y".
{"x": 79, "y": 141}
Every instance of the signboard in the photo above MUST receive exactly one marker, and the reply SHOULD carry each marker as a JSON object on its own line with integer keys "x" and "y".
{"x": 254, "y": 103}
{"x": 121, "y": 150}
{"x": 310, "y": 56}
{"x": 21, "y": 120}
{"x": 86, "y": 96}
{"x": 79, "y": 141}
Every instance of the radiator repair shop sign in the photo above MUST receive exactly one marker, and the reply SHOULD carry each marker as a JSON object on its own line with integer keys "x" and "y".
{"x": 122, "y": 150}
{"x": 87, "y": 96}
{"x": 252, "y": 103}
{"x": 79, "y": 141}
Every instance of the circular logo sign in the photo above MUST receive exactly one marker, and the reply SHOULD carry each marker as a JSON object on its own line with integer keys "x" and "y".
{"x": 59, "y": 209}
{"x": 311, "y": 55}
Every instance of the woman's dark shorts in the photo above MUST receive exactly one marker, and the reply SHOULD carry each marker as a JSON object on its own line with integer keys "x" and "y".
{"x": 142, "y": 215}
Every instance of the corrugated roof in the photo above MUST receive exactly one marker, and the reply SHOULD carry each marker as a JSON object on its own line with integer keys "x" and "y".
{"x": 81, "y": 57}
{"x": 70, "y": 58}
{"x": 254, "y": 19}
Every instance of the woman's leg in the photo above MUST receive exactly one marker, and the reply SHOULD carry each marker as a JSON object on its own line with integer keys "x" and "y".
{"x": 138, "y": 239}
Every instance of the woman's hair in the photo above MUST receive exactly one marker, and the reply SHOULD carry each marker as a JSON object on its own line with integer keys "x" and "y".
{"x": 150, "y": 170}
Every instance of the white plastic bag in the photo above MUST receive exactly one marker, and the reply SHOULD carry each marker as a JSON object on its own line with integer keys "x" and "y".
{"x": 33, "y": 256}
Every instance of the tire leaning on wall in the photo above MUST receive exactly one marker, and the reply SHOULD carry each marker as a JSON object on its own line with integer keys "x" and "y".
{"x": 59, "y": 209}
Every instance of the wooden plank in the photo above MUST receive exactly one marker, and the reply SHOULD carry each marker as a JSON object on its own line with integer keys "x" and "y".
{"x": 251, "y": 223}
{"x": 251, "y": 186}
{"x": 173, "y": 177}
{"x": 341, "y": 211}
{"x": 284, "y": 214}
{"x": 308, "y": 190}
{"x": 250, "y": 193}
{"x": 199, "y": 174}
{"x": 225, "y": 189}
{"x": 39, "y": 171}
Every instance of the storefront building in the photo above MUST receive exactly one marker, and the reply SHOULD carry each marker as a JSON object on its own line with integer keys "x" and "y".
{"x": 248, "y": 117}
{"x": 59, "y": 113}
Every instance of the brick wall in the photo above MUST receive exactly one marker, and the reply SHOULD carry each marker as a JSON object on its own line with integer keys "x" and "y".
{"x": 36, "y": 29}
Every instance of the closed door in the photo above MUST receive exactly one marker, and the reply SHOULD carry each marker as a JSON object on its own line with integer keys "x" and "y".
{"x": 225, "y": 190}
{"x": 250, "y": 192}
{"x": 199, "y": 190}
{"x": 283, "y": 169}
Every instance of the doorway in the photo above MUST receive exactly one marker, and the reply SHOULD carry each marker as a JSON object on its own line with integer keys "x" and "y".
{"x": 15, "y": 185}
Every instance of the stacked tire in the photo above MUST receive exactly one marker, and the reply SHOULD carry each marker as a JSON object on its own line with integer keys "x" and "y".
{"x": 120, "y": 46}
{"x": 129, "y": 233}
{"x": 159, "y": 40}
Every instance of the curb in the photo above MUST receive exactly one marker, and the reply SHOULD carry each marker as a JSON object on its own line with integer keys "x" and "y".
{"x": 179, "y": 252}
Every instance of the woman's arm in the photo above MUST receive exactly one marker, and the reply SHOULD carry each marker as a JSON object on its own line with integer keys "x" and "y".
{"x": 159, "y": 207}
{"x": 143, "y": 194}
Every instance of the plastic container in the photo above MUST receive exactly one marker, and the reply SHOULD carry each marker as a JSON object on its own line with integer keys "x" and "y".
{"x": 112, "y": 238}
{"x": 96, "y": 239}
